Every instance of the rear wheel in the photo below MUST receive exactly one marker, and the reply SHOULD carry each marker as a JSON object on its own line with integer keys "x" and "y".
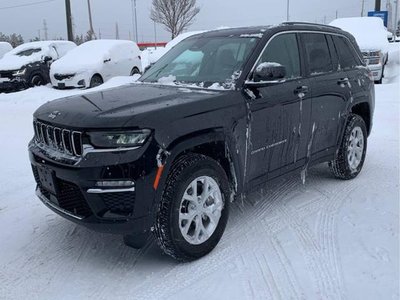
{"x": 36, "y": 80}
{"x": 96, "y": 81}
{"x": 135, "y": 71}
{"x": 351, "y": 153}
{"x": 194, "y": 208}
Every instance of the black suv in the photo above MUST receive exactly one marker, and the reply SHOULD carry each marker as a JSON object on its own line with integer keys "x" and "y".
{"x": 216, "y": 117}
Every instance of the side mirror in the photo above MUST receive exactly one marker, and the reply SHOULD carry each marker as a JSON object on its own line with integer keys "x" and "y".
{"x": 269, "y": 72}
{"x": 147, "y": 68}
{"x": 47, "y": 58}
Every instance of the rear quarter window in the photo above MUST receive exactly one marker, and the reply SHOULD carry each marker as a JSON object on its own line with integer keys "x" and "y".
{"x": 348, "y": 58}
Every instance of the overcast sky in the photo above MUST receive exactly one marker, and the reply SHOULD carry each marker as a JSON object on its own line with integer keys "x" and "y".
{"x": 214, "y": 13}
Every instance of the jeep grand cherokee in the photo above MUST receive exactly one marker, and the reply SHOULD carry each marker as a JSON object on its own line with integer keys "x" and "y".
{"x": 216, "y": 117}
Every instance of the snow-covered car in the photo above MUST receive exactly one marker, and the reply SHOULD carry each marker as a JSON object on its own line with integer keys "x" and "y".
{"x": 94, "y": 62}
{"x": 371, "y": 36}
{"x": 4, "y": 48}
{"x": 28, "y": 65}
{"x": 390, "y": 36}
{"x": 151, "y": 56}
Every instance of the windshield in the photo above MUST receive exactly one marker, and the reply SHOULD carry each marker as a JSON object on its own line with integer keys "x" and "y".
{"x": 204, "y": 61}
{"x": 29, "y": 52}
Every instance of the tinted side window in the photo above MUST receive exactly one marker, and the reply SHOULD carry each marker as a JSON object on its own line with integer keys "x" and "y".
{"x": 318, "y": 56}
{"x": 283, "y": 49}
{"x": 346, "y": 54}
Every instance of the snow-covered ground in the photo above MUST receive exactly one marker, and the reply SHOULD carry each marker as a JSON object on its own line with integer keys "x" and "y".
{"x": 326, "y": 239}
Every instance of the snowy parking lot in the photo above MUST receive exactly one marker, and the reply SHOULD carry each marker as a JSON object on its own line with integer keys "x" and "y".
{"x": 325, "y": 239}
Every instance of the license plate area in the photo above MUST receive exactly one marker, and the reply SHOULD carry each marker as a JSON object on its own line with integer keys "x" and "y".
{"x": 46, "y": 177}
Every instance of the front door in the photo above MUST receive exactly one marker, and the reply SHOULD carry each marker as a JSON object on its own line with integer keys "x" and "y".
{"x": 279, "y": 114}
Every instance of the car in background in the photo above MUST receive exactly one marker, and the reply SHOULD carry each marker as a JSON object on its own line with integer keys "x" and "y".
{"x": 4, "y": 48}
{"x": 151, "y": 56}
{"x": 390, "y": 36}
{"x": 371, "y": 36}
{"x": 28, "y": 65}
{"x": 94, "y": 62}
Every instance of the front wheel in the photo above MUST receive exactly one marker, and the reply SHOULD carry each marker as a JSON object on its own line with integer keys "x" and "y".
{"x": 194, "y": 208}
{"x": 351, "y": 153}
{"x": 36, "y": 80}
{"x": 96, "y": 81}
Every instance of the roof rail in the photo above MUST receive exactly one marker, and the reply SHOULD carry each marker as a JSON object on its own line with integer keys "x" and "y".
{"x": 309, "y": 23}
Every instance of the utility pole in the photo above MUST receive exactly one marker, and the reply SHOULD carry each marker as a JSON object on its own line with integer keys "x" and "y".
{"x": 134, "y": 20}
{"x": 362, "y": 8}
{"x": 90, "y": 20}
{"x": 69, "y": 20}
{"x": 155, "y": 35}
{"x": 45, "y": 30}
{"x": 288, "y": 11}
{"x": 337, "y": 14}
{"x": 377, "y": 5}
{"x": 396, "y": 15}
{"x": 116, "y": 31}
{"x": 99, "y": 33}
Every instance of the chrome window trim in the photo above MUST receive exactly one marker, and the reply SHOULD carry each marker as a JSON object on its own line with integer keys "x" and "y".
{"x": 297, "y": 31}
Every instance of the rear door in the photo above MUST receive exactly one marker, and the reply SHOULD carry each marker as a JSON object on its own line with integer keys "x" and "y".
{"x": 279, "y": 114}
{"x": 330, "y": 93}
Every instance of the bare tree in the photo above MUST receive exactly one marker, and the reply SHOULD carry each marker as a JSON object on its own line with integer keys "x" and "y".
{"x": 175, "y": 15}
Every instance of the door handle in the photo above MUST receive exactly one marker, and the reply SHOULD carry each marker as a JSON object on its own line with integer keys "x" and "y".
{"x": 301, "y": 91}
{"x": 343, "y": 81}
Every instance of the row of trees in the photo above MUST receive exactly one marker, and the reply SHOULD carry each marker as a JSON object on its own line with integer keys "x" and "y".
{"x": 14, "y": 39}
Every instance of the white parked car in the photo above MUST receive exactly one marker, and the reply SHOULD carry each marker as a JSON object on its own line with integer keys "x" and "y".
{"x": 371, "y": 36}
{"x": 4, "y": 48}
{"x": 94, "y": 62}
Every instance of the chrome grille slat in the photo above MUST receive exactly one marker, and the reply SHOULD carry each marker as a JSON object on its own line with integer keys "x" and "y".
{"x": 58, "y": 139}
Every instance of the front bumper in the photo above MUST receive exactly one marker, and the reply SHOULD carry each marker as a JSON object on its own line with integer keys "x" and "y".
{"x": 75, "y": 197}
{"x": 12, "y": 86}
{"x": 80, "y": 80}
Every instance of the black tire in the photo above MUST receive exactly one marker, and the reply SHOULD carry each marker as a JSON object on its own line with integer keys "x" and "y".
{"x": 168, "y": 234}
{"x": 135, "y": 71}
{"x": 36, "y": 80}
{"x": 340, "y": 166}
{"x": 96, "y": 81}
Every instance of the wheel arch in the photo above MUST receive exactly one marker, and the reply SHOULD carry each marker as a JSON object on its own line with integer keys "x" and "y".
{"x": 211, "y": 143}
{"x": 363, "y": 109}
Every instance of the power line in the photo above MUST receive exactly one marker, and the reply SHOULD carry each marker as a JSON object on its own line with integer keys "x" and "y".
{"x": 26, "y": 4}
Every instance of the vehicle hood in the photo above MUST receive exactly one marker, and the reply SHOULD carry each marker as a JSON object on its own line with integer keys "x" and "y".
{"x": 69, "y": 65}
{"x": 14, "y": 62}
{"x": 128, "y": 106}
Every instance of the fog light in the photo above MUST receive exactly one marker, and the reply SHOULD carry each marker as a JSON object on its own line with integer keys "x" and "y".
{"x": 81, "y": 82}
{"x": 115, "y": 183}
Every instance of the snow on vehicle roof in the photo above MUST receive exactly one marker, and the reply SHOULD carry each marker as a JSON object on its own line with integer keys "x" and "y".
{"x": 13, "y": 61}
{"x": 4, "y": 48}
{"x": 91, "y": 55}
{"x": 369, "y": 32}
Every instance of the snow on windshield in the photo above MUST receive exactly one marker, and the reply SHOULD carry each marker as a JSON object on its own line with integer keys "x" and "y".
{"x": 203, "y": 62}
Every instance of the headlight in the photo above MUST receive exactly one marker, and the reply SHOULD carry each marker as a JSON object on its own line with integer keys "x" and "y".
{"x": 19, "y": 73}
{"x": 119, "y": 139}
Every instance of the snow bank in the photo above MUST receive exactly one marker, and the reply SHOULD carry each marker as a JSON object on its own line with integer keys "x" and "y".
{"x": 91, "y": 55}
{"x": 4, "y": 48}
{"x": 369, "y": 32}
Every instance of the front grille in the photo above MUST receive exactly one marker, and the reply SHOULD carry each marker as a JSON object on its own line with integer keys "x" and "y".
{"x": 63, "y": 76}
{"x": 69, "y": 197}
{"x": 7, "y": 74}
{"x": 119, "y": 203}
{"x": 58, "y": 139}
